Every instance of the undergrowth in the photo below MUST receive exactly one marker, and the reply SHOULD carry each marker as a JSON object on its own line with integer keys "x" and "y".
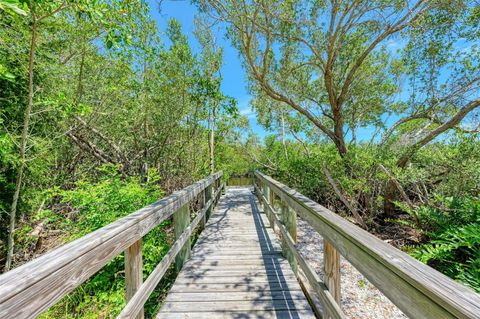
{"x": 452, "y": 228}
{"x": 92, "y": 205}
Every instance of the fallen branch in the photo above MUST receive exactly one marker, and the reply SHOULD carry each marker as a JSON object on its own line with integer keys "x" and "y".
{"x": 402, "y": 193}
{"x": 116, "y": 149}
{"x": 343, "y": 199}
{"x": 91, "y": 149}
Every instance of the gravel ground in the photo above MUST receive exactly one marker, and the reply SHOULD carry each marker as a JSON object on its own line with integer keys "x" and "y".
{"x": 360, "y": 299}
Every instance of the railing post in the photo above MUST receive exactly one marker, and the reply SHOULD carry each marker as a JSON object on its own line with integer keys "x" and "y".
{"x": 271, "y": 202}
{"x": 208, "y": 196}
{"x": 181, "y": 220}
{"x": 289, "y": 219}
{"x": 266, "y": 194}
{"x": 133, "y": 272}
{"x": 214, "y": 192}
{"x": 259, "y": 191}
{"x": 331, "y": 262}
{"x": 203, "y": 201}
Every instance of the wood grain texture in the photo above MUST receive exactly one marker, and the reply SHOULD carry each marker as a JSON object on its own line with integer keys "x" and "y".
{"x": 331, "y": 266}
{"x": 418, "y": 290}
{"x": 28, "y": 290}
{"x": 133, "y": 272}
{"x": 136, "y": 303}
{"x": 330, "y": 307}
{"x": 203, "y": 202}
{"x": 250, "y": 314}
{"x": 208, "y": 196}
{"x": 237, "y": 269}
{"x": 181, "y": 220}
{"x": 289, "y": 221}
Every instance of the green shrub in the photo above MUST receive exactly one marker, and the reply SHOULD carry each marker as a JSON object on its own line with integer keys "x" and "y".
{"x": 454, "y": 239}
{"x": 99, "y": 203}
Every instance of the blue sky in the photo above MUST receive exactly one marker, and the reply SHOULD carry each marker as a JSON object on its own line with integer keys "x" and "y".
{"x": 234, "y": 77}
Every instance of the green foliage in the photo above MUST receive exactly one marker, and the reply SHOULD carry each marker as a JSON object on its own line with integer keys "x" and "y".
{"x": 117, "y": 76}
{"x": 13, "y": 7}
{"x": 454, "y": 240}
{"x": 108, "y": 199}
{"x": 95, "y": 204}
{"x": 442, "y": 181}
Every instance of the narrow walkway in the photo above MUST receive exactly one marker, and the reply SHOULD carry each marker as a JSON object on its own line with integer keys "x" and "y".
{"x": 236, "y": 269}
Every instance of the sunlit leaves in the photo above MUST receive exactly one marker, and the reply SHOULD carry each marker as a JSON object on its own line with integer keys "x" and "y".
{"x": 14, "y": 7}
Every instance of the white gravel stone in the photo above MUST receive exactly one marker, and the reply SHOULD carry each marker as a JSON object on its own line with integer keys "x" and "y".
{"x": 360, "y": 299}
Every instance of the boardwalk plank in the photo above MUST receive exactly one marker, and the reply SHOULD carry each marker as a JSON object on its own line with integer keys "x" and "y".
{"x": 236, "y": 269}
{"x": 270, "y": 314}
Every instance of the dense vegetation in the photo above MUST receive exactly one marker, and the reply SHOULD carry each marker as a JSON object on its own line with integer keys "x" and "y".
{"x": 438, "y": 219}
{"x": 372, "y": 107}
{"x": 375, "y": 108}
{"x": 101, "y": 113}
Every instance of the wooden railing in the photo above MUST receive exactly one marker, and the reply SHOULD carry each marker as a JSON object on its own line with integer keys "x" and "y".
{"x": 417, "y": 289}
{"x": 30, "y": 289}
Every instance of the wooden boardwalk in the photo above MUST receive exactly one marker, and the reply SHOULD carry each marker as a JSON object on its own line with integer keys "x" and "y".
{"x": 236, "y": 269}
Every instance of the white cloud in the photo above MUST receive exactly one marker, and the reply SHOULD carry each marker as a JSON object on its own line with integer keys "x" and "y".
{"x": 248, "y": 112}
{"x": 245, "y": 109}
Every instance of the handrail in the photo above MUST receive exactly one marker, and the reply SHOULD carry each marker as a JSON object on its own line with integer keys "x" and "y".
{"x": 30, "y": 289}
{"x": 417, "y": 289}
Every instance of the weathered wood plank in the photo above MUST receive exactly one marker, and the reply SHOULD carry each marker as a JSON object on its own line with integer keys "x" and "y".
{"x": 208, "y": 196}
{"x": 218, "y": 287}
{"x": 181, "y": 220}
{"x": 236, "y": 305}
{"x": 235, "y": 272}
{"x": 138, "y": 300}
{"x": 260, "y": 314}
{"x": 236, "y": 279}
{"x": 237, "y": 267}
{"x": 203, "y": 202}
{"x": 289, "y": 219}
{"x": 31, "y": 288}
{"x": 236, "y": 295}
{"x": 418, "y": 290}
{"x": 331, "y": 261}
{"x": 133, "y": 272}
{"x": 229, "y": 261}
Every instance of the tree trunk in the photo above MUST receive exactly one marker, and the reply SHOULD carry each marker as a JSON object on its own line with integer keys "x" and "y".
{"x": 341, "y": 147}
{"x": 283, "y": 137}
{"x": 212, "y": 140}
{"x": 354, "y": 134}
{"x": 391, "y": 192}
{"x": 23, "y": 146}
{"x": 338, "y": 129}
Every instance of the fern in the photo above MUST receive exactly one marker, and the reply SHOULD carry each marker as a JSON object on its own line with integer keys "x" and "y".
{"x": 454, "y": 246}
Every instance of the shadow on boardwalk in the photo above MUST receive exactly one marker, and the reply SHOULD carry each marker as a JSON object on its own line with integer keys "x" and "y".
{"x": 236, "y": 269}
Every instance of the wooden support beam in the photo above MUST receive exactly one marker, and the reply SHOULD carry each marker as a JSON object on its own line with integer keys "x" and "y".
{"x": 133, "y": 272}
{"x": 266, "y": 209}
{"x": 181, "y": 220}
{"x": 332, "y": 269}
{"x": 258, "y": 192}
{"x": 203, "y": 201}
{"x": 208, "y": 196}
{"x": 215, "y": 189}
{"x": 289, "y": 219}
{"x": 272, "y": 204}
